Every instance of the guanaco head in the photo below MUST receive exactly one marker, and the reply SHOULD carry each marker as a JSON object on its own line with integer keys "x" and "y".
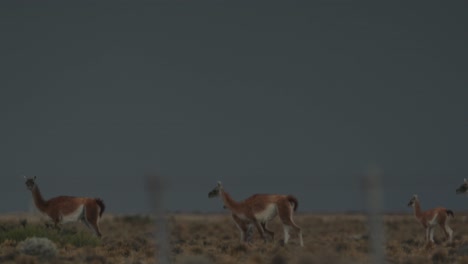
{"x": 413, "y": 200}
{"x": 463, "y": 188}
{"x": 30, "y": 182}
{"x": 215, "y": 192}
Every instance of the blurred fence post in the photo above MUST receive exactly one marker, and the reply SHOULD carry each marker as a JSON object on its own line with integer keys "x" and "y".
{"x": 373, "y": 195}
{"x": 155, "y": 187}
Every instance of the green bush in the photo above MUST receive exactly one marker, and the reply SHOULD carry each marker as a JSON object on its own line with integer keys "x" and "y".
{"x": 81, "y": 239}
{"x": 75, "y": 238}
{"x": 136, "y": 219}
{"x": 19, "y": 233}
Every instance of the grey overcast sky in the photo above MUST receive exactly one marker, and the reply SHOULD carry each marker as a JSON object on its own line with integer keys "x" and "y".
{"x": 294, "y": 97}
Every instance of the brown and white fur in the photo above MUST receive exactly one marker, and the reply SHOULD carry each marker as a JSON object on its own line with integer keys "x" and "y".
{"x": 431, "y": 218}
{"x": 64, "y": 209}
{"x": 258, "y": 210}
{"x": 463, "y": 189}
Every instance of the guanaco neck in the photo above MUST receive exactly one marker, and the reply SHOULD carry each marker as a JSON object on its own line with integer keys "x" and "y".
{"x": 39, "y": 201}
{"x": 230, "y": 203}
{"x": 417, "y": 209}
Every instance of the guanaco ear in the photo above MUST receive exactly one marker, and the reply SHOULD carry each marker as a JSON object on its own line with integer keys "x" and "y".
{"x": 35, "y": 177}
{"x": 415, "y": 196}
{"x": 219, "y": 184}
{"x": 464, "y": 180}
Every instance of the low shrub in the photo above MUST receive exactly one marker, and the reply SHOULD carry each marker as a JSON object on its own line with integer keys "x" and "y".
{"x": 38, "y": 246}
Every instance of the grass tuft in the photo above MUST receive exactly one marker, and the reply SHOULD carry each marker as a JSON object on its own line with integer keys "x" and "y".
{"x": 440, "y": 256}
{"x": 197, "y": 259}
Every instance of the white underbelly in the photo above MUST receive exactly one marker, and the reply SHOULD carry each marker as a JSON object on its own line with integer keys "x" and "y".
{"x": 433, "y": 221}
{"x": 267, "y": 214}
{"x": 74, "y": 216}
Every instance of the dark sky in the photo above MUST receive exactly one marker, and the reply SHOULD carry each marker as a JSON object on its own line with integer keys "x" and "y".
{"x": 296, "y": 98}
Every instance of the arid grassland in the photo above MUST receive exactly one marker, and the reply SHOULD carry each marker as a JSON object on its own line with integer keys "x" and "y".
{"x": 206, "y": 238}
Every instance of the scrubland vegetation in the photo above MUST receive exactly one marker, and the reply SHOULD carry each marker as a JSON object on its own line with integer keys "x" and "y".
{"x": 205, "y": 238}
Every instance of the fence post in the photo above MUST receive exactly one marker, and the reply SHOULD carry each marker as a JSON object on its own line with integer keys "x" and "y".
{"x": 374, "y": 203}
{"x": 155, "y": 187}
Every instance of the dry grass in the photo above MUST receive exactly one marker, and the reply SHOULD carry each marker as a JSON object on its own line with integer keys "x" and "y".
{"x": 200, "y": 239}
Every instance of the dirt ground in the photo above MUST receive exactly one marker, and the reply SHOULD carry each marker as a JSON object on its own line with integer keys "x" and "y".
{"x": 214, "y": 238}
